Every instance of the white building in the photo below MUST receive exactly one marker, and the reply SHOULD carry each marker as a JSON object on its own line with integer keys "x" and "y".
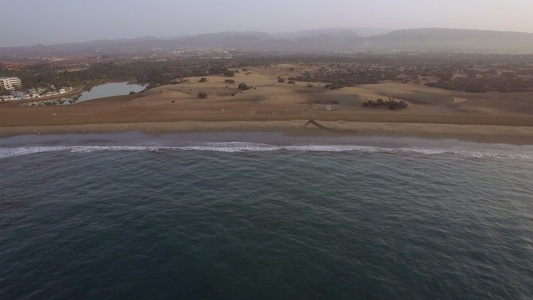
{"x": 9, "y": 83}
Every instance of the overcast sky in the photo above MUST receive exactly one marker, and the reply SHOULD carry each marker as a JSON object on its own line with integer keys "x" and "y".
{"x": 29, "y": 22}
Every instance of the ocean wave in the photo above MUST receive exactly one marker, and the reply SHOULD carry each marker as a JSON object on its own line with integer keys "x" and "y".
{"x": 256, "y": 147}
{"x": 21, "y": 151}
{"x": 236, "y": 147}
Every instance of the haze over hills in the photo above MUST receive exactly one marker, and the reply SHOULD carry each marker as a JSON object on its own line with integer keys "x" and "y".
{"x": 361, "y": 31}
{"x": 322, "y": 40}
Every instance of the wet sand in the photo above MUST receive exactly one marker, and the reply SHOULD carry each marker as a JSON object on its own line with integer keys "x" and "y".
{"x": 518, "y": 135}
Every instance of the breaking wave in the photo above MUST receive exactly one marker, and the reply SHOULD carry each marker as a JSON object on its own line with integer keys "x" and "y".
{"x": 236, "y": 147}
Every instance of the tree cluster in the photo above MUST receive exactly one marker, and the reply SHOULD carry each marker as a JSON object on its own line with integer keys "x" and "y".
{"x": 4, "y": 92}
{"x": 144, "y": 71}
{"x": 503, "y": 83}
{"x": 229, "y": 73}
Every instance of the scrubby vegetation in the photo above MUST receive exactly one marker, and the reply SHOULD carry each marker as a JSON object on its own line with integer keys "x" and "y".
{"x": 229, "y": 73}
{"x": 391, "y": 103}
{"x": 154, "y": 73}
{"x": 473, "y": 73}
{"x": 244, "y": 86}
{"x": 333, "y": 86}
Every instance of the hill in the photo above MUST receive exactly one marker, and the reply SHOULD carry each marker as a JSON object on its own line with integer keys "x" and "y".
{"x": 323, "y": 40}
{"x": 441, "y": 39}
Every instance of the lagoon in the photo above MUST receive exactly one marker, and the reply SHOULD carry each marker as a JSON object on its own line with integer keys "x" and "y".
{"x": 107, "y": 90}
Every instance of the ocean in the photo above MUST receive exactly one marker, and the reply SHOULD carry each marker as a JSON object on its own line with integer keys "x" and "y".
{"x": 264, "y": 216}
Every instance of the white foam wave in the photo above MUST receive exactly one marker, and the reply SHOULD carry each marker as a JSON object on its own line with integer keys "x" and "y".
{"x": 13, "y": 152}
{"x": 88, "y": 149}
{"x": 233, "y": 147}
{"x": 254, "y": 147}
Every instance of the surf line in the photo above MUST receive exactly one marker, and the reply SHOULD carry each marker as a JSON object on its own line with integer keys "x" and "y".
{"x": 311, "y": 121}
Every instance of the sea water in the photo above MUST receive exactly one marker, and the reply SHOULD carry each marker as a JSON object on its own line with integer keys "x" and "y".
{"x": 264, "y": 216}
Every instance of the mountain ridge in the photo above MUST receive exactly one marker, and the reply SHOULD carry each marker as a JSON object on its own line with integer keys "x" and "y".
{"x": 309, "y": 41}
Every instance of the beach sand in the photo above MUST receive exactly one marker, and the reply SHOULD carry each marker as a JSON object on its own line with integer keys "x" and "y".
{"x": 273, "y": 106}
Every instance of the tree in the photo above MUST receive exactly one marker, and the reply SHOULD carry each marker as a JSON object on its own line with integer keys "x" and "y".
{"x": 156, "y": 76}
{"x": 203, "y": 79}
{"x": 4, "y": 92}
{"x": 202, "y": 95}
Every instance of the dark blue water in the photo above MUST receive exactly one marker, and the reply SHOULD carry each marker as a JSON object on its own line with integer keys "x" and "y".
{"x": 95, "y": 217}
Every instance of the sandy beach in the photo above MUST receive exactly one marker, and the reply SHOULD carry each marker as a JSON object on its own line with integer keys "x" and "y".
{"x": 272, "y": 106}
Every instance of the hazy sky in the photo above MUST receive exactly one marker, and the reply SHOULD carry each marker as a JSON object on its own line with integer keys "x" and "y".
{"x": 29, "y": 22}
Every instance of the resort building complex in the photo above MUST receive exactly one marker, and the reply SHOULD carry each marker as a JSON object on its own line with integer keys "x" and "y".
{"x": 10, "y": 83}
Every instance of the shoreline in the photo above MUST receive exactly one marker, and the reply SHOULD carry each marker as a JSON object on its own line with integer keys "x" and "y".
{"x": 273, "y": 107}
{"x": 513, "y": 135}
